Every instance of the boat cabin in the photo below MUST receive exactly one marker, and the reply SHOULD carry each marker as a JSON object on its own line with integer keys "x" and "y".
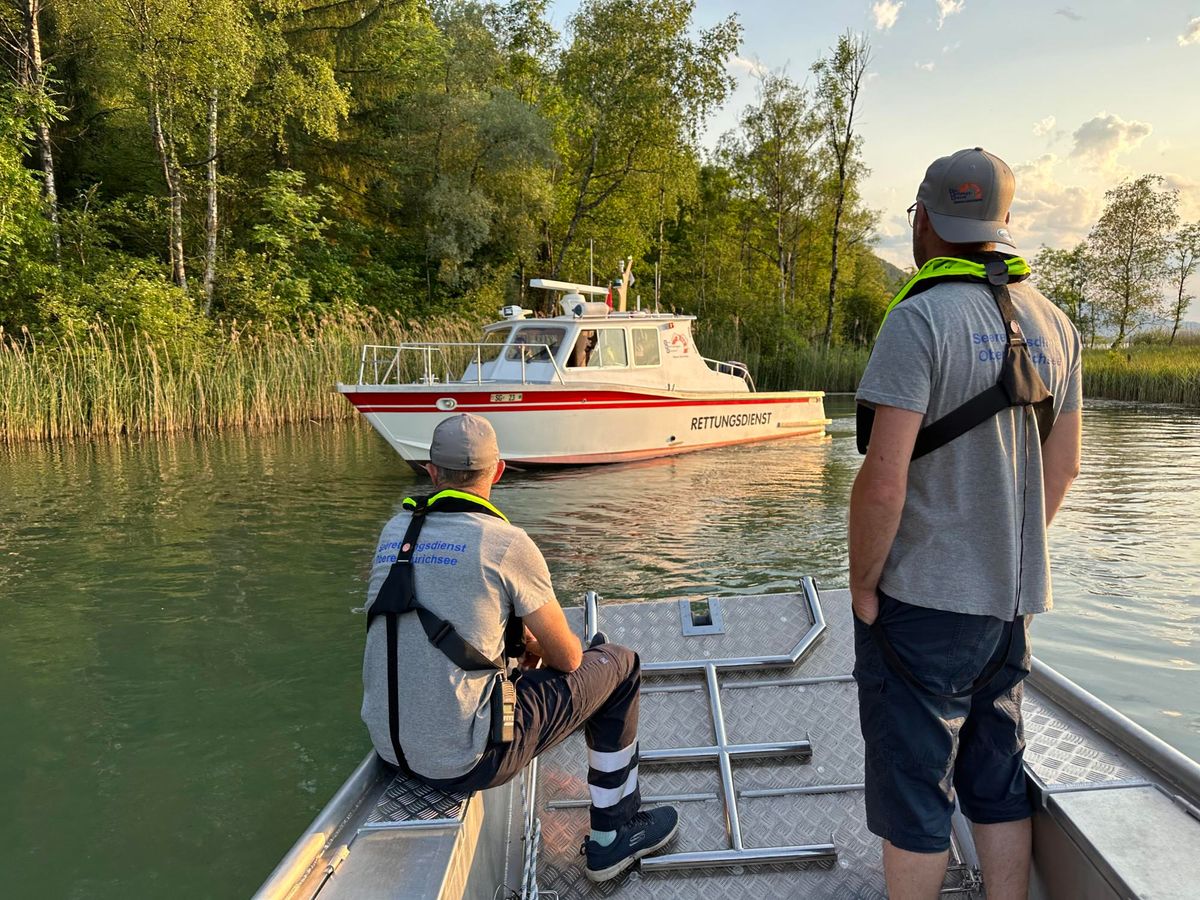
{"x": 590, "y": 342}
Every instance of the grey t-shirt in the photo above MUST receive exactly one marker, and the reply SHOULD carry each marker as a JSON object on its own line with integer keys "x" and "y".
{"x": 472, "y": 569}
{"x": 972, "y": 537}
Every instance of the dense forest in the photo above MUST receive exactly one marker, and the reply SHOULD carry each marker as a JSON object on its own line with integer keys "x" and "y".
{"x": 172, "y": 167}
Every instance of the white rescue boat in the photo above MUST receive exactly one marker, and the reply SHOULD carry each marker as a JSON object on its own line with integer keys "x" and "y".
{"x": 591, "y": 385}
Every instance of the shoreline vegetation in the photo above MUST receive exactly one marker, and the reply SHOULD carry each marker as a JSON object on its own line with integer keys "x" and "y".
{"x": 110, "y": 382}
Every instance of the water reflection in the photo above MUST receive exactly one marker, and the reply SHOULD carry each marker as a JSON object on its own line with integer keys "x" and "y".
{"x": 178, "y": 660}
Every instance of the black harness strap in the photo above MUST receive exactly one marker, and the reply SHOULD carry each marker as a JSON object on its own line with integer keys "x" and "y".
{"x": 1020, "y": 383}
{"x": 397, "y": 596}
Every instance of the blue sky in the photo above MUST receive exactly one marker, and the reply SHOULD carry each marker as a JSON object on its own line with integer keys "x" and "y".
{"x": 1074, "y": 96}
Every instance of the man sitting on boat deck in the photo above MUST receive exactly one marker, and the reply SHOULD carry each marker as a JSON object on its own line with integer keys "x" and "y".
{"x": 449, "y": 575}
{"x": 974, "y": 442}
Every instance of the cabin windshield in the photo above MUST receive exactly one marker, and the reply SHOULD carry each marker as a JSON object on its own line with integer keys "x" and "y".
{"x": 493, "y": 342}
{"x": 550, "y": 335}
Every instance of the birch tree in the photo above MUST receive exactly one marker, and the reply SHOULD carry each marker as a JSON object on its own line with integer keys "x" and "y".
{"x": 1182, "y": 261}
{"x": 23, "y": 40}
{"x": 839, "y": 89}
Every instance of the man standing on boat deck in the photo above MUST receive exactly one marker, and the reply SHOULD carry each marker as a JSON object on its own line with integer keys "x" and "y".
{"x": 948, "y": 557}
{"x": 470, "y": 571}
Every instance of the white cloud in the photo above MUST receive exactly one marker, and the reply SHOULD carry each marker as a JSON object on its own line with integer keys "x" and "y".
{"x": 1044, "y": 127}
{"x": 1047, "y": 211}
{"x": 886, "y": 13}
{"x": 1103, "y": 138}
{"x": 1191, "y": 34}
{"x": 926, "y": 66}
{"x": 1189, "y": 195}
{"x": 749, "y": 66}
{"x": 950, "y": 48}
{"x": 948, "y": 8}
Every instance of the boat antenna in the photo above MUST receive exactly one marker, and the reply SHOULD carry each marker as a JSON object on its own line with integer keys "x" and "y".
{"x": 656, "y": 281}
{"x": 591, "y": 262}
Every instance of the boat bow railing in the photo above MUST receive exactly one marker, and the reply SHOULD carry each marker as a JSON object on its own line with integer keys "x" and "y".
{"x": 433, "y": 361}
{"x": 728, "y": 367}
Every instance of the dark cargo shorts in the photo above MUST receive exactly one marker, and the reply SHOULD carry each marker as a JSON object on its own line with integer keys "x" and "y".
{"x": 921, "y": 748}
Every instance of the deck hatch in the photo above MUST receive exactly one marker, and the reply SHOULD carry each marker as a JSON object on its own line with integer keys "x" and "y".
{"x": 701, "y": 617}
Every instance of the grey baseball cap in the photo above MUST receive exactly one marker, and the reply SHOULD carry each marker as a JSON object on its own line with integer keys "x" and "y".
{"x": 464, "y": 442}
{"x": 967, "y": 196}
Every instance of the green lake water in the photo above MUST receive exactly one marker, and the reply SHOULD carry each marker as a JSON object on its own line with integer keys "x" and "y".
{"x": 179, "y": 663}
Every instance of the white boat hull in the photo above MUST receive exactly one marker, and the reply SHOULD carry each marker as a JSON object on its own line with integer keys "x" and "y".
{"x": 578, "y": 424}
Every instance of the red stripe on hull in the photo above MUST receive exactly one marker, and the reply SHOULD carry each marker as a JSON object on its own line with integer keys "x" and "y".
{"x": 587, "y": 459}
{"x": 366, "y": 406}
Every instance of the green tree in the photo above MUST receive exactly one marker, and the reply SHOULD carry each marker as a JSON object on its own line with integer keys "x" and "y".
{"x": 771, "y": 156}
{"x": 25, "y": 234}
{"x": 1182, "y": 262}
{"x": 839, "y": 88}
{"x": 635, "y": 87}
{"x": 1128, "y": 249}
{"x": 21, "y": 35}
{"x": 1063, "y": 276}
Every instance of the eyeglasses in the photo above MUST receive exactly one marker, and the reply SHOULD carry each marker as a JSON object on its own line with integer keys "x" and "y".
{"x": 912, "y": 215}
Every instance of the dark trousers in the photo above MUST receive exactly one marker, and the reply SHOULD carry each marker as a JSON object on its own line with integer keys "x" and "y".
{"x": 602, "y": 696}
{"x": 922, "y": 747}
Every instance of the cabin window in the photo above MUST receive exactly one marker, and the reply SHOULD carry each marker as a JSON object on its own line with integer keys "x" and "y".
{"x": 493, "y": 342}
{"x": 584, "y": 349}
{"x": 550, "y": 336}
{"x": 645, "y": 347}
{"x": 610, "y": 352}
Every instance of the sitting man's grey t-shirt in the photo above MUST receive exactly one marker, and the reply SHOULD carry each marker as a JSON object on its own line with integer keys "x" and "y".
{"x": 473, "y": 570}
{"x": 972, "y": 536}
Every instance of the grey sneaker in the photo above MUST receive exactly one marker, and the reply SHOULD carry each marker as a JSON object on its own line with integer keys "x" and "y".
{"x": 649, "y": 830}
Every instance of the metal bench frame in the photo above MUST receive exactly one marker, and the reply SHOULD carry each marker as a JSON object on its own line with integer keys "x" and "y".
{"x": 725, "y": 753}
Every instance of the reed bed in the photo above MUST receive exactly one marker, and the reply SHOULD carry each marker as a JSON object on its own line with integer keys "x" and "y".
{"x": 800, "y": 367}
{"x": 110, "y": 381}
{"x": 1147, "y": 374}
{"x": 113, "y": 382}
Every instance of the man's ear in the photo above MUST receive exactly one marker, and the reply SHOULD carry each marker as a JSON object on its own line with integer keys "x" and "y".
{"x": 432, "y": 472}
{"x": 499, "y": 471}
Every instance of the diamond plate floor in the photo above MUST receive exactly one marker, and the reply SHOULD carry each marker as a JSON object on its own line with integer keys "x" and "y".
{"x": 675, "y": 712}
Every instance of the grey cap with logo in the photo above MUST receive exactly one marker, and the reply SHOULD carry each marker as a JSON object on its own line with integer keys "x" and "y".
{"x": 464, "y": 442}
{"x": 967, "y": 196}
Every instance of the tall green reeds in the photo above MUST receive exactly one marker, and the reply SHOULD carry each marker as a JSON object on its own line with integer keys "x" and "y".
{"x": 1147, "y": 374}
{"x": 109, "y": 381}
{"x": 785, "y": 366}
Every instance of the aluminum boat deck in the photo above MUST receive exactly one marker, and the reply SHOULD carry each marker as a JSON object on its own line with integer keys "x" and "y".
{"x": 749, "y": 725}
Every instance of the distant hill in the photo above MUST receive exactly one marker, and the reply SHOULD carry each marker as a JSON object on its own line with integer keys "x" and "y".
{"x": 894, "y": 275}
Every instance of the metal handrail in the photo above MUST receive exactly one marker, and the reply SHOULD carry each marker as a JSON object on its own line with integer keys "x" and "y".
{"x": 737, "y": 368}
{"x": 1177, "y": 769}
{"x": 388, "y": 356}
{"x": 725, "y": 753}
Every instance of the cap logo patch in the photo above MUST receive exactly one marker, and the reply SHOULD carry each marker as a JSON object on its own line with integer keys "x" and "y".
{"x": 967, "y": 192}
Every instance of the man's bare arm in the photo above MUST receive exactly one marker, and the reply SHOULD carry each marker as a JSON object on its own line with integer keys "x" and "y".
{"x": 877, "y": 501}
{"x": 556, "y": 643}
{"x": 1060, "y": 459}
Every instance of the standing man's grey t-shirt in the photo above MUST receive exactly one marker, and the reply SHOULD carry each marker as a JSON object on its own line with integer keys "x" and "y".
{"x": 968, "y": 514}
{"x": 473, "y": 570}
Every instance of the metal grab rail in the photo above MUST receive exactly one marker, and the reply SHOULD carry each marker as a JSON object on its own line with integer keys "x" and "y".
{"x": 388, "y": 357}
{"x": 735, "y": 368}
